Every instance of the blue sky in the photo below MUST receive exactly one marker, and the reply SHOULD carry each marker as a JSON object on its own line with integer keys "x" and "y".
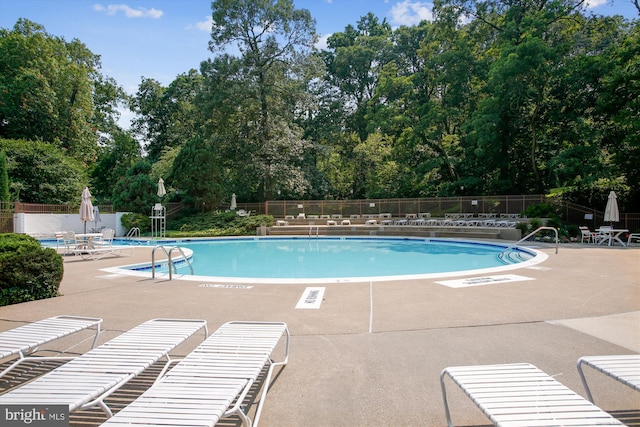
{"x": 161, "y": 39}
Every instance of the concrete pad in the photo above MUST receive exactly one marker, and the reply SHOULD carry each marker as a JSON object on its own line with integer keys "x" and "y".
{"x": 371, "y": 355}
{"x": 621, "y": 329}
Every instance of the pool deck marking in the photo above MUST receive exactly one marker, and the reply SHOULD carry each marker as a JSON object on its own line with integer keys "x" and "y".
{"x": 311, "y": 298}
{"x": 486, "y": 280}
{"x": 225, "y": 286}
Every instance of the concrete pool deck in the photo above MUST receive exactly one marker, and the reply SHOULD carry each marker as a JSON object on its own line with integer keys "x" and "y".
{"x": 372, "y": 353}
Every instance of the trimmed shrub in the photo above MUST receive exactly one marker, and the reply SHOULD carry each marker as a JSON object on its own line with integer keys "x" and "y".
{"x": 28, "y": 271}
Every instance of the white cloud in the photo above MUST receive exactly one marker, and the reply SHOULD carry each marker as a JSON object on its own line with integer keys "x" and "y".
{"x": 322, "y": 41}
{"x": 202, "y": 25}
{"x": 128, "y": 11}
{"x": 592, "y": 4}
{"x": 410, "y": 13}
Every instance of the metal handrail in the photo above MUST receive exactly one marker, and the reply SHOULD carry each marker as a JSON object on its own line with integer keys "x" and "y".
{"x": 511, "y": 246}
{"x": 170, "y": 263}
{"x": 311, "y": 231}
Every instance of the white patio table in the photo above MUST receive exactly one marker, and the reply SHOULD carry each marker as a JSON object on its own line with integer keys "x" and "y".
{"x": 87, "y": 240}
{"x": 614, "y": 235}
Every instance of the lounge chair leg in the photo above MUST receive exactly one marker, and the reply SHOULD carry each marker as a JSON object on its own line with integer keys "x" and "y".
{"x": 444, "y": 399}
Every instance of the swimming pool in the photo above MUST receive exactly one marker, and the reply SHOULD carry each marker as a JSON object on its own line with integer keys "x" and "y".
{"x": 343, "y": 259}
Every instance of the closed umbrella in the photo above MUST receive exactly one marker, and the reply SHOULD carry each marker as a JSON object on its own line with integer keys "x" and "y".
{"x": 611, "y": 212}
{"x": 86, "y": 208}
{"x": 234, "y": 205}
{"x": 161, "y": 190}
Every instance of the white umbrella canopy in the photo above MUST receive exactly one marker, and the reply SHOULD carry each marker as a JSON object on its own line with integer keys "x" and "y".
{"x": 161, "y": 190}
{"x": 611, "y": 212}
{"x": 86, "y": 208}
{"x": 234, "y": 204}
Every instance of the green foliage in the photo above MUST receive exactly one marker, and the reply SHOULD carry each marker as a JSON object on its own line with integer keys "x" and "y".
{"x": 196, "y": 175}
{"x": 28, "y": 272}
{"x": 115, "y": 157}
{"x": 136, "y": 191}
{"x": 541, "y": 210}
{"x": 253, "y": 99}
{"x": 47, "y": 89}
{"x": 131, "y": 220}
{"x": 523, "y": 226}
{"x": 43, "y": 173}
{"x": 534, "y": 223}
{"x": 4, "y": 177}
{"x": 218, "y": 224}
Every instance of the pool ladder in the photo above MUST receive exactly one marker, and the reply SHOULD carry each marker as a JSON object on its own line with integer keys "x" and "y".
{"x": 170, "y": 261}
{"x": 311, "y": 231}
{"x": 133, "y": 232}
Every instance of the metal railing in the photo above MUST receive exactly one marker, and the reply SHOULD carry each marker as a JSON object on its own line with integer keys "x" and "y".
{"x": 511, "y": 246}
{"x": 170, "y": 263}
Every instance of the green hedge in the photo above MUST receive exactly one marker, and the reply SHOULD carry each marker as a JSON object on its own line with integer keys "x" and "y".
{"x": 28, "y": 271}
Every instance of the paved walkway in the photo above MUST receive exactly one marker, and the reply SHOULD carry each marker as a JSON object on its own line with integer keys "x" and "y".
{"x": 371, "y": 355}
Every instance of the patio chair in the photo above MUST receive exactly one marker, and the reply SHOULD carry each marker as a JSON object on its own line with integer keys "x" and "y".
{"x": 88, "y": 379}
{"x": 213, "y": 380}
{"x": 69, "y": 242}
{"x": 587, "y": 235}
{"x": 25, "y": 340}
{"x": 603, "y": 234}
{"x": 623, "y": 368}
{"x": 519, "y": 394}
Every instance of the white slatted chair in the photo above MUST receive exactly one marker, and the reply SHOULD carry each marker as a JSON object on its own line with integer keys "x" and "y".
{"x": 521, "y": 395}
{"x": 624, "y": 368}
{"x": 24, "y": 340}
{"x": 88, "y": 379}
{"x": 212, "y": 381}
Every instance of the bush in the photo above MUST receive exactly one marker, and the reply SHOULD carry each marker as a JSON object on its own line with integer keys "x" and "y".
{"x": 541, "y": 210}
{"x": 28, "y": 271}
{"x": 130, "y": 220}
{"x": 218, "y": 224}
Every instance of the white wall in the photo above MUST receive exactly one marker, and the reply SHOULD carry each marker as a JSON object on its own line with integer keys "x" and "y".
{"x": 45, "y": 225}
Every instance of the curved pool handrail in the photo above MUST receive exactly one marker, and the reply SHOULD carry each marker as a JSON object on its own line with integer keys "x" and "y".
{"x": 511, "y": 246}
{"x": 169, "y": 260}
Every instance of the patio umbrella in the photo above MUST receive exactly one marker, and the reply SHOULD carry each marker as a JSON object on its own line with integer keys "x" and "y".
{"x": 96, "y": 216}
{"x": 234, "y": 205}
{"x": 161, "y": 189}
{"x": 86, "y": 208}
{"x": 611, "y": 212}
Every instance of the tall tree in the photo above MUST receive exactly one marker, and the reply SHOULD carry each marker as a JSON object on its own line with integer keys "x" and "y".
{"x": 354, "y": 60}
{"x": 43, "y": 173}
{"x": 274, "y": 40}
{"x": 47, "y": 87}
{"x": 166, "y": 116}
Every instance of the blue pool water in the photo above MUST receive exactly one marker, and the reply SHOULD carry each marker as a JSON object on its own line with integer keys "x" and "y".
{"x": 343, "y": 258}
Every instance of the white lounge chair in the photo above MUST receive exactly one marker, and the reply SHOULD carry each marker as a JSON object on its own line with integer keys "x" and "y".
{"x": 88, "y": 379}
{"x": 519, "y": 394}
{"x": 212, "y": 381}
{"x": 624, "y": 368}
{"x": 26, "y": 339}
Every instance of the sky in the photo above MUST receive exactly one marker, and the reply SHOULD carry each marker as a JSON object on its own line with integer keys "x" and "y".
{"x": 161, "y": 39}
